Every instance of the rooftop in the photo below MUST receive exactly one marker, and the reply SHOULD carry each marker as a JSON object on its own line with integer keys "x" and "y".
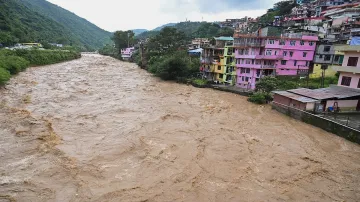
{"x": 224, "y": 38}
{"x": 333, "y": 92}
{"x": 295, "y": 97}
{"x": 348, "y": 48}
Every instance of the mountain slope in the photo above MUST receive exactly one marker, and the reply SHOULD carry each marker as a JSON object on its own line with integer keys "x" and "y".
{"x": 20, "y": 24}
{"x": 87, "y": 33}
{"x": 139, "y": 31}
{"x": 162, "y": 26}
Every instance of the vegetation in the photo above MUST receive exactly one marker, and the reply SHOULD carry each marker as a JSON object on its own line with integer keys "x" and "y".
{"x": 23, "y": 21}
{"x": 13, "y": 62}
{"x": 123, "y": 39}
{"x": 193, "y": 30}
{"x": 258, "y": 98}
{"x": 200, "y": 82}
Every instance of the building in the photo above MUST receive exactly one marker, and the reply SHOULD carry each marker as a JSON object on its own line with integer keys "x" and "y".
{"x": 257, "y": 56}
{"x": 325, "y": 56}
{"x": 322, "y": 99}
{"x": 126, "y": 53}
{"x": 199, "y": 43}
{"x": 213, "y": 64}
{"x": 294, "y": 100}
{"x": 350, "y": 69}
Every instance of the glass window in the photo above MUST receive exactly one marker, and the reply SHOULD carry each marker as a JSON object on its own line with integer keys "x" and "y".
{"x": 295, "y": 62}
{"x": 282, "y": 42}
{"x": 311, "y": 43}
{"x": 283, "y": 62}
{"x": 219, "y": 67}
{"x": 359, "y": 84}
{"x": 304, "y": 54}
{"x": 345, "y": 81}
{"x": 326, "y": 48}
{"x": 327, "y": 57}
{"x": 268, "y": 52}
{"x": 302, "y": 42}
{"x": 336, "y": 59}
{"x": 247, "y": 70}
{"x": 271, "y": 41}
{"x": 352, "y": 61}
{"x": 284, "y": 53}
{"x": 291, "y": 53}
{"x": 292, "y": 43}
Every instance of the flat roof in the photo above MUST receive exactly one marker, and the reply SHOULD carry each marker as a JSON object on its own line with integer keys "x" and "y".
{"x": 333, "y": 92}
{"x": 295, "y": 96}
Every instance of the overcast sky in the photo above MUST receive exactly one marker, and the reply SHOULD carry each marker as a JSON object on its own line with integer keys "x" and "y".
{"x": 113, "y": 15}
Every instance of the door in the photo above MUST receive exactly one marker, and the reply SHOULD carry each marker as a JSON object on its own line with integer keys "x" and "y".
{"x": 358, "y": 106}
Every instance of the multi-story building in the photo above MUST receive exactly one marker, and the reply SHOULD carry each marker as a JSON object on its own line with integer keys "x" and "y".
{"x": 199, "y": 43}
{"x": 257, "y": 56}
{"x": 126, "y": 53}
{"x": 325, "y": 56}
{"x": 213, "y": 60}
{"x": 350, "y": 69}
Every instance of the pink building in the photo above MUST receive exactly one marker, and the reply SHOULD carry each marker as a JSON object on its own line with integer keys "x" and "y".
{"x": 258, "y": 56}
{"x": 350, "y": 69}
{"x": 126, "y": 53}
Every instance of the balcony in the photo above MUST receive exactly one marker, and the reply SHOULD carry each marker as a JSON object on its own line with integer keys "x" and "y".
{"x": 249, "y": 65}
{"x": 268, "y": 66}
{"x": 347, "y": 48}
{"x": 354, "y": 70}
{"x": 245, "y": 56}
{"x": 269, "y": 57}
{"x": 250, "y": 44}
{"x": 355, "y": 30}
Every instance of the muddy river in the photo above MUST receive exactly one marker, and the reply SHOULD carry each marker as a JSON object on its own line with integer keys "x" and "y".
{"x": 98, "y": 129}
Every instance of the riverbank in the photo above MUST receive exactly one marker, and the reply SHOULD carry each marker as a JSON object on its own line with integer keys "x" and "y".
{"x": 14, "y": 61}
{"x": 128, "y": 136}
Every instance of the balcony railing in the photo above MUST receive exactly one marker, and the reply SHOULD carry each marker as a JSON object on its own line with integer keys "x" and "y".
{"x": 268, "y": 66}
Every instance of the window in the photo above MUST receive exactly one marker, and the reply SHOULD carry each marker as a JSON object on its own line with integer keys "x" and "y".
{"x": 327, "y": 57}
{"x": 219, "y": 67}
{"x": 284, "y": 53}
{"x": 291, "y": 53}
{"x": 326, "y": 48}
{"x": 252, "y": 61}
{"x": 242, "y": 78}
{"x": 292, "y": 43}
{"x": 304, "y": 54}
{"x": 246, "y": 78}
{"x": 336, "y": 59}
{"x": 282, "y": 42}
{"x": 352, "y": 61}
{"x": 320, "y": 56}
{"x": 295, "y": 62}
{"x": 248, "y": 71}
{"x": 345, "y": 81}
{"x": 311, "y": 43}
{"x": 359, "y": 84}
{"x": 268, "y": 52}
{"x": 242, "y": 70}
{"x": 221, "y": 76}
{"x": 302, "y": 43}
{"x": 283, "y": 62}
{"x": 275, "y": 53}
{"x": 307, "y": 63}
{"x": 271, "y": 41}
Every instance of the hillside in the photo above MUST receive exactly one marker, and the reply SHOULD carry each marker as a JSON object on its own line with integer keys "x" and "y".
{"x": 192, "y": 30}
{"x": 41, "y": 21}
{"x": 20, "y": 24}
{"x": 162, "y": 26}
{"x": 139, "y": 31}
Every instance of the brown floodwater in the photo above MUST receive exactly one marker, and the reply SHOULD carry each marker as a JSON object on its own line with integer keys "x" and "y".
{"x": 98, "y": 129}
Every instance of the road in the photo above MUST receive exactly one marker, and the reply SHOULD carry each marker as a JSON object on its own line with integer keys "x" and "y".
{"x": 98, "y": 129}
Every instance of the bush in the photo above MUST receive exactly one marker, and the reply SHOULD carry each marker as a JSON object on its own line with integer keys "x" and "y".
{"x": 200, "y": 82}
{"x": 170, "y": 67}
{"x": 13, "y": 64}
{"x": 4, "y": 76}
{"x": 258, "y": 98}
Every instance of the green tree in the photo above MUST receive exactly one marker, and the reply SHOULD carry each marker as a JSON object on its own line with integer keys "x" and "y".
{"x": 123, "y": 39}
{"x": 267, "y": 84}
{"x": 168, "y": 40}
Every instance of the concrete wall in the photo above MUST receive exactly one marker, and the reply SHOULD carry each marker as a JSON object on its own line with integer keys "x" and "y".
{"x": 323, "y": 123}
{"x": 317, "y": 72}
{"x": 351, "y": 54}
{"x": 347, "y": 105}
{"x": 355, "y": 78}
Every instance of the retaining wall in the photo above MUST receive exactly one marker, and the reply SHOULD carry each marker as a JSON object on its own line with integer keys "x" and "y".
{"x": 323, "y": 123}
